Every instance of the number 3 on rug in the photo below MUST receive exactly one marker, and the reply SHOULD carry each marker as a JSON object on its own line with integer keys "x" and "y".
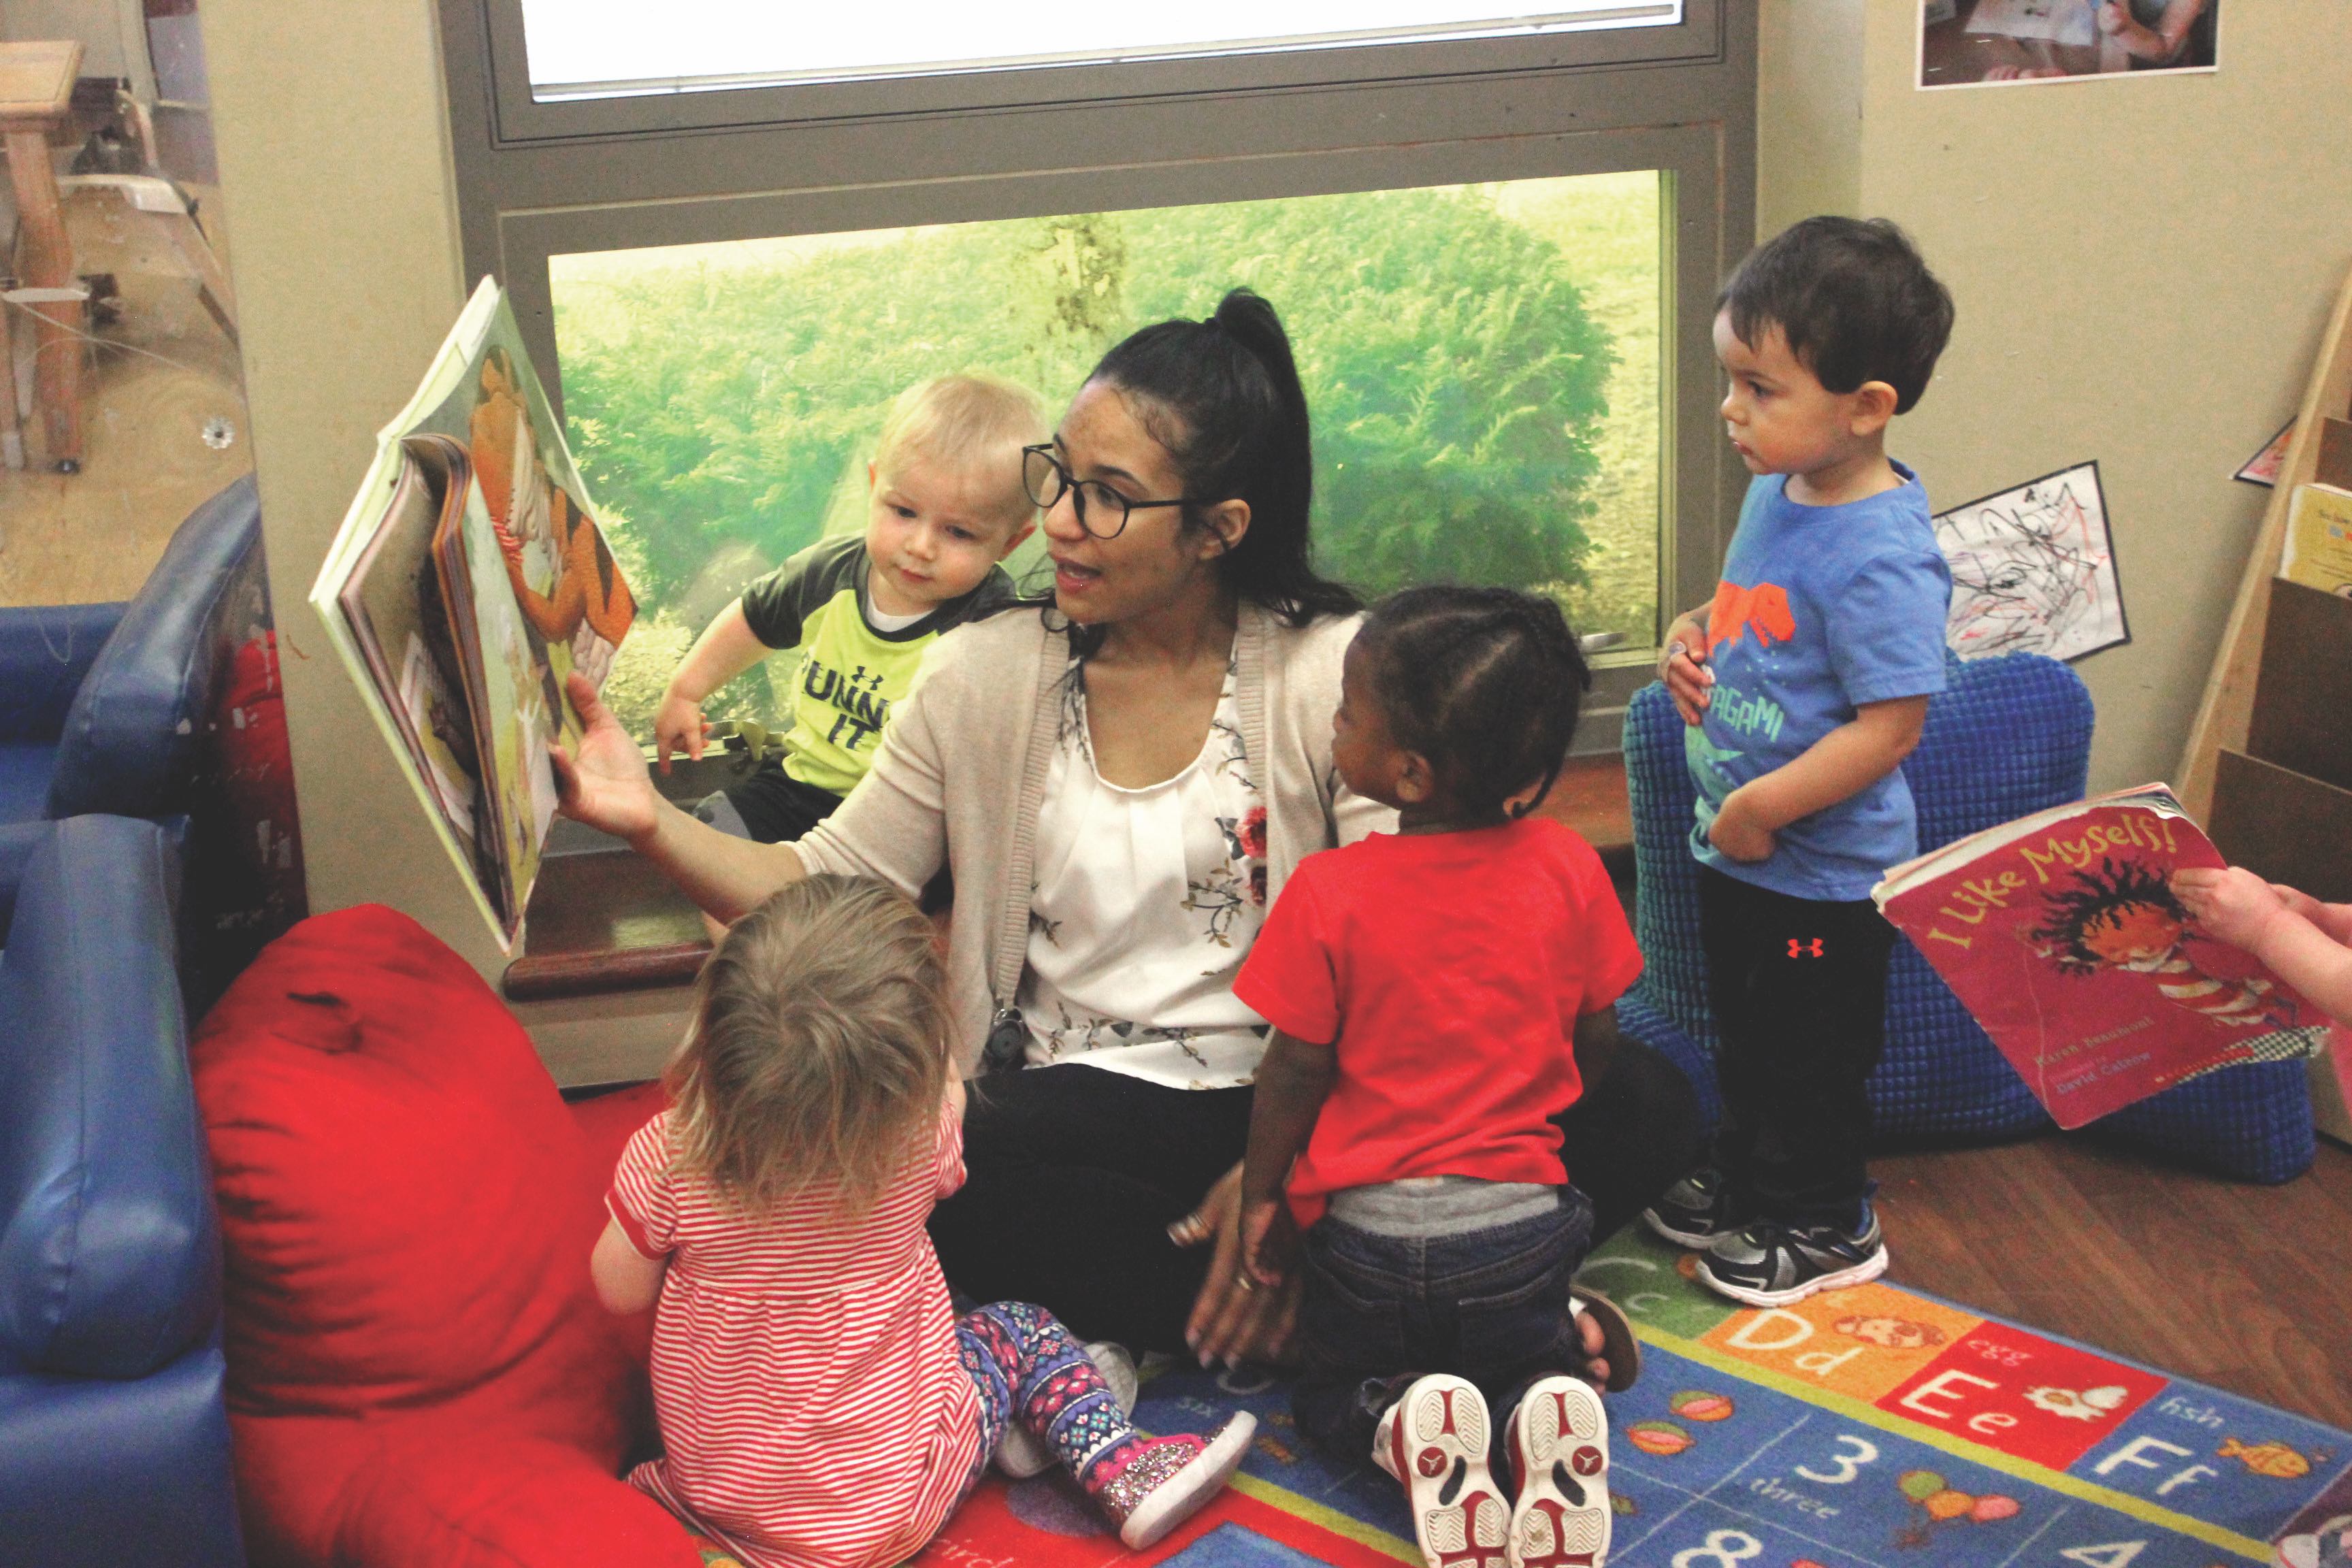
{"x": 1724, "y": 1548}
{"x": 1848, "y": 1465}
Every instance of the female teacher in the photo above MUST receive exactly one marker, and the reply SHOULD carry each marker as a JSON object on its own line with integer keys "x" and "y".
{"x": 1118, "y": 785}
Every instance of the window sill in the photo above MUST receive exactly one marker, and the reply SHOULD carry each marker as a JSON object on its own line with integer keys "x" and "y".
{"x": 604, "y": 921}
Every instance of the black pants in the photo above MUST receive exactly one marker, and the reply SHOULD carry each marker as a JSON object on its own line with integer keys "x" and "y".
{"x": 774, "y": 806}
{"x": 1074, "y": 1175}
{"x": 1799, "y": 989}
{"x": 1379, "y": 1311}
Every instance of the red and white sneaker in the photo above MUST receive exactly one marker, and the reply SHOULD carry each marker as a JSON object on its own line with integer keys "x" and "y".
{"x": 1434, "y": 1441}
{"x": 1560, "y": 1445}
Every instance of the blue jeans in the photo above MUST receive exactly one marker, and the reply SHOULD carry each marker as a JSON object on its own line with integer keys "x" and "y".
{"x": 1380, "y": 1310}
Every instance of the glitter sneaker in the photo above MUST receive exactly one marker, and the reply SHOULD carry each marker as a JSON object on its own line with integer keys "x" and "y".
{"x": 1173, "y": 1479}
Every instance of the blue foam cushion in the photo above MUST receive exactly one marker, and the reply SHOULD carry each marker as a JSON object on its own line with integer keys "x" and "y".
{"x": 2253, "y": 1122}
{"x": 2011, "y": 736}
{"x": 45, "y": 652}
{"x": 135, "y": 736}
{"x": 17, "y": 842}
{"x": 110, "y": 1257}
{"x": 26, "y": 768}
{"x": 100, "y": 1471}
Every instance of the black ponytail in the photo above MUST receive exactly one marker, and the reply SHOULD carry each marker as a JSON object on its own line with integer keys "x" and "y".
{"x": 1224, "y": 397}
{"x": 1486, "y": 683}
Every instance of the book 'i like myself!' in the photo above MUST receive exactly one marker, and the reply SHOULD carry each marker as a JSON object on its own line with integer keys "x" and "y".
{"x": 2060, "y": 933}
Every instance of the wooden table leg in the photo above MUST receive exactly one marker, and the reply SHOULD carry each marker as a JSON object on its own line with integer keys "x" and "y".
{"x": 57, "y": 328}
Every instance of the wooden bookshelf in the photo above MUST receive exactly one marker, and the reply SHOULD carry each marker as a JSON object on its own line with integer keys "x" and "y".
{"x": 2268, "y": 766}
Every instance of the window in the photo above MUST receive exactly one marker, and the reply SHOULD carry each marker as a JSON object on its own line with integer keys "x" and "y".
{"x": 1602, "y": 155}
{"x": 604, "y": 49}
{"x": 1482, "y": 357}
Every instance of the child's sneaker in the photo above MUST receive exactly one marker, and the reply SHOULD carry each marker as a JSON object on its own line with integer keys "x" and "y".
{"x": 1694, "y": 1211}
{"x": 1770, "y": 1264}
{"x": 1560, "y": 1445}
{"x": 1434, "y": 1441}
{"x": 1021, "y": 1453}
{"x": 1170, "y": 1480}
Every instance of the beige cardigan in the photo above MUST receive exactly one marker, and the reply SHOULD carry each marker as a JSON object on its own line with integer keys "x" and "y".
{"x": 961, "y": 777}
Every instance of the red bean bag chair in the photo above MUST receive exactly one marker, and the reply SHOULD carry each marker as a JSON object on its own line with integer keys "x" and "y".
{"x": 418, "y": 1369}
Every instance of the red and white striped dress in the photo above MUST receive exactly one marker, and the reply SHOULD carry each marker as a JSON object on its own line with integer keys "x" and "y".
{"x": 804, "y": 1368}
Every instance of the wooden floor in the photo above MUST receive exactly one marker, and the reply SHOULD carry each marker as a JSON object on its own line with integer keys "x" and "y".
{"x": 2246, "y": 1288}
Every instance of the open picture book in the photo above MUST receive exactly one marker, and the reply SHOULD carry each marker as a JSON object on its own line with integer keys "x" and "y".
{"x": 2060, "y": 934}
{"x": 468, "y": 579}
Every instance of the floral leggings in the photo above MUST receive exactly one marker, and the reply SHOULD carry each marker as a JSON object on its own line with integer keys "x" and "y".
{"x": 1028, "y": 1368}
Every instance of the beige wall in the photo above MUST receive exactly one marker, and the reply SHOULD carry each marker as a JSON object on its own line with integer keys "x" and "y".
{"x": 2142, "y": 265}
{"x": 335, "y": 162}
{"x": 1808, "y": 111}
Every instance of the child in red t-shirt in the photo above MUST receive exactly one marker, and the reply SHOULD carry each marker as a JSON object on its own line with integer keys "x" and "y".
{"x": 1434, "y": 994}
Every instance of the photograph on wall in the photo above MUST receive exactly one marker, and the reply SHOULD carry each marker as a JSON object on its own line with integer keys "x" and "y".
{"x": 1981, "y": 43}
{"x": 2033, "y": 570}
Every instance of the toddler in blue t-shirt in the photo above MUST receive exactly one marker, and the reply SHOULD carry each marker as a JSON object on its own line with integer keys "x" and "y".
{"x": 1804, "y": 685}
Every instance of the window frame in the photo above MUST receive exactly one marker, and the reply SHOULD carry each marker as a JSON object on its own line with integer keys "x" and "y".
{"x": 678, "y": 168}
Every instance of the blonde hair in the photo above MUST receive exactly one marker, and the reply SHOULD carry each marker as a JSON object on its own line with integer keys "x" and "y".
{"x": 976, "y": 423}
{"x": 819, "y": 1048}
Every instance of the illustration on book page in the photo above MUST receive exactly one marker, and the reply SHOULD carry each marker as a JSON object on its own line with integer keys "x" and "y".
{"x": 2033, "y": 570}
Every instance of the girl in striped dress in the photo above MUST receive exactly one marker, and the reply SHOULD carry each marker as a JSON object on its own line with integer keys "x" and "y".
{"x": 820, "y": 1402}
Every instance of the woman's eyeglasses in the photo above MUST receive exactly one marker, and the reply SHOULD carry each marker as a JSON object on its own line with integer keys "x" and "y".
{"x": 1102, "y": 510}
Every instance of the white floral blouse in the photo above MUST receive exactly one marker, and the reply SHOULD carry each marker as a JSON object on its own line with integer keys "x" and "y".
{"x": 1145, "y": 904}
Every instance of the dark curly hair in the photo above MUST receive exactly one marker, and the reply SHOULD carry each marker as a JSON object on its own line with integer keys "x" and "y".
{"x": 1486, "y": 683}
{"x": 2070, "y": 914}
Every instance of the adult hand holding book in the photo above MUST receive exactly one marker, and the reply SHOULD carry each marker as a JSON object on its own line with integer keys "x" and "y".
{"x": 468, "y": 586}
{"x": 607, "y": 785}
{"x": 2063, "y": 935}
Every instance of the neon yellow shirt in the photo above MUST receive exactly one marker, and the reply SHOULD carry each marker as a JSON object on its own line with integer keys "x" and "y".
{"x": 851, "y": 672}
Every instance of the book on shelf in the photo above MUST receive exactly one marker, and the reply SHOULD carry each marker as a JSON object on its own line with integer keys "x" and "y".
{"x": 469, "y": 577}
{"x": 2060, "y": 934}
{"x": 2319, "y": 552}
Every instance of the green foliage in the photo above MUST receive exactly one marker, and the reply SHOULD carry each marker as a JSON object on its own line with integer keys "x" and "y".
{"x": 1449, "y": 363}
{"x": 1452, "y": 368}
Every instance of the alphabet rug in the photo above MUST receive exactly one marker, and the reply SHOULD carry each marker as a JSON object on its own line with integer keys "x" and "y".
{"x": 1873, "y": 1428}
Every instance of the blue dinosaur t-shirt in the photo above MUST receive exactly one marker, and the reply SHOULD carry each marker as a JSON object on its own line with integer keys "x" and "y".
{"x": 1820, "y": 609}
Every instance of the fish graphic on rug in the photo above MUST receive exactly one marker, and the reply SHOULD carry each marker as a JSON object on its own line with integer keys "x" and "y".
{"x": 2272, "y": 1458}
